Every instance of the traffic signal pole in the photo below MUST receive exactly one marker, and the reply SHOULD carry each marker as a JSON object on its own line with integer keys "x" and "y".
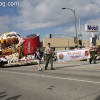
{"x": 74, "y": 23}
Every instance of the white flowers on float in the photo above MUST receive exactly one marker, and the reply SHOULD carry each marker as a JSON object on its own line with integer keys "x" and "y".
{"x": 11, "y": 42}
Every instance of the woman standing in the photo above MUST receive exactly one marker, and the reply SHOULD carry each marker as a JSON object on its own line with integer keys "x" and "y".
{"x": 38, "y": 57}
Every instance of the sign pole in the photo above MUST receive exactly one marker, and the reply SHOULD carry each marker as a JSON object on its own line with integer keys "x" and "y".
{"x": 92, "y": 34}
{"x": 91, "y": 28}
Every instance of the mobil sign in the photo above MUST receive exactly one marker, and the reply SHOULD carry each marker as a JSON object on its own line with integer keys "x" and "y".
{"x": 91, "y": 28}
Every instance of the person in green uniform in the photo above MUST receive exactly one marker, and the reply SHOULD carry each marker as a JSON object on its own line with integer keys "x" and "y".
{"x": 92, "y": 53}
{"x": 48, "y": 52}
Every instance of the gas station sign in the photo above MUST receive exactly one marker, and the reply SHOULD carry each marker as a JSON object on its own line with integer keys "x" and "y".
{"x": 91, "y": 28}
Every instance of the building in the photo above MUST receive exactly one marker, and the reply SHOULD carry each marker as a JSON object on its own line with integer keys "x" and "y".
{"x": 64, "y": 43}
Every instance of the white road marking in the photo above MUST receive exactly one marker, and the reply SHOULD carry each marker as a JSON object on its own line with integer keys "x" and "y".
{"x": 52, "y": 77}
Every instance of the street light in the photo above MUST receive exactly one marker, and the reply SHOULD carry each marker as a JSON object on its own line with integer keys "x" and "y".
{"x": 75, "y": 23}
{"x": 79, "y": 25}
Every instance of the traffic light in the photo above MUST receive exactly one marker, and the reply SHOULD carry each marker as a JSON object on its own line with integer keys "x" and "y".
{"x": 50, "y": 35}
{"x": 75, "y": 40}
{"x": 80, "y": 42}
{"x": 94, "y": 40}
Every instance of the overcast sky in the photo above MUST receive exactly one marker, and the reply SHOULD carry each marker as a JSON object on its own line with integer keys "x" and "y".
{"x": 46, "y": 16}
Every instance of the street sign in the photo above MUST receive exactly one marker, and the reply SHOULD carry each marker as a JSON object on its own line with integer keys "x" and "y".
{"x": 79, "y": 35}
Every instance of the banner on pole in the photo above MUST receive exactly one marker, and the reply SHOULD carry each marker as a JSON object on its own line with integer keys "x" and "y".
{"x": 73, "y": 55}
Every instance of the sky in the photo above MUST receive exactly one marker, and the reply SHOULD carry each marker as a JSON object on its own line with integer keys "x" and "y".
{"x": 46, "y": 17}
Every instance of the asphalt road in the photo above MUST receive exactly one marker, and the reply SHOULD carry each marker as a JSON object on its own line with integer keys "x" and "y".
{"x": 72, "y": 81}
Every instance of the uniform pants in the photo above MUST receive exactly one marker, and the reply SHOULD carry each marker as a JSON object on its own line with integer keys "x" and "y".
{"x": 93, "y": 57}
{"x": 49, "y": 57}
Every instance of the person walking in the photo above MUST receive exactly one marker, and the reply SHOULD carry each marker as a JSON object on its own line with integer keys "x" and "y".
{"x": 92, "y": 53}
{"x": 48, "y": 52}
{"x": 38, "y": 57}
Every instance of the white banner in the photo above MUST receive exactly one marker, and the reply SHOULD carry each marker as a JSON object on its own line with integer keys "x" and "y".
{"x": 73, "y": 55}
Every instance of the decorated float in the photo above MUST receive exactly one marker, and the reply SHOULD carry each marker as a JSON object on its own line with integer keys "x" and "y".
{"x": 11, "y": 50}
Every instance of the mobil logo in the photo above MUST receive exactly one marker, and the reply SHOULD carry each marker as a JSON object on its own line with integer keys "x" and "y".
{"x": 90, "y": 27}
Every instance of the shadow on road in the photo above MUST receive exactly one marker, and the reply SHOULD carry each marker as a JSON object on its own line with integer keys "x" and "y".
{"x": 3, "y": 95}
{"x": 72, "y": 65}
{"x": 14, "y": 97}
{"x": 16, "y": 66}
{"x": 98, "y": 98}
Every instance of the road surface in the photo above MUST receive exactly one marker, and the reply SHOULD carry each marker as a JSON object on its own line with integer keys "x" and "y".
{"x": 72, "y": 81}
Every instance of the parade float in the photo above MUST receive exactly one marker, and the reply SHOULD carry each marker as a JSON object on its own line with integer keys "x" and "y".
{"x": 11, "y": 50}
